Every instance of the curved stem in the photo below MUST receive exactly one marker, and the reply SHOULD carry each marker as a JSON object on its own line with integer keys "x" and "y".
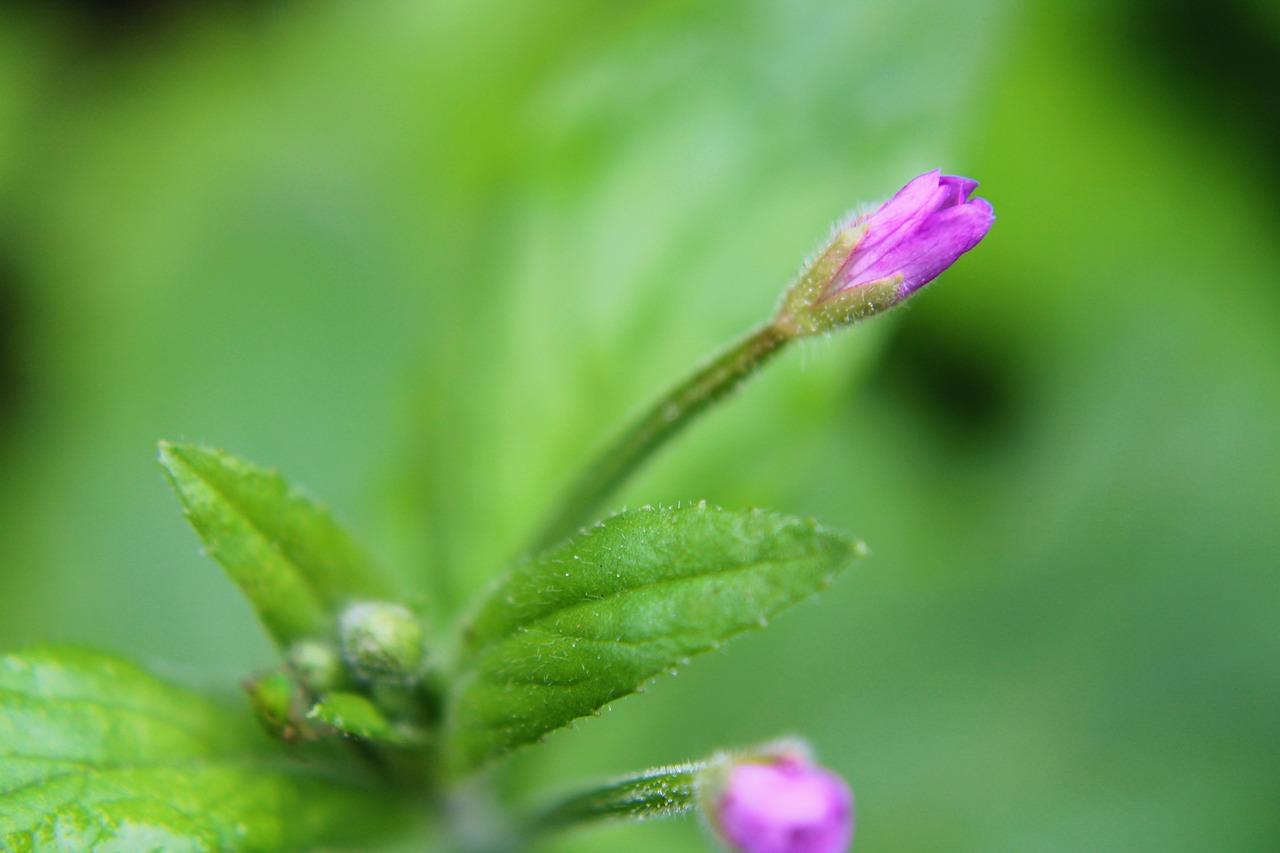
{"x": 671, "y": 413}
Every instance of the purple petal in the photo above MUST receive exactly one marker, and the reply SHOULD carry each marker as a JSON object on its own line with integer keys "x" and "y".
{"x": 960, "y": 188}
{"x": 911, "y": 197}
{"x": 918, "y": 198}
{"x": 940, "y": 242}
{"x": 917, "y": 234}
{"x": 788, "y": 806}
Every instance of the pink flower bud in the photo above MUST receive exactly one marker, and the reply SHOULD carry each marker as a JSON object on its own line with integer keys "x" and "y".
{"x": 876, "y": 260}
{"x": 917, "y": 234}
{"x": 783, "y": 804}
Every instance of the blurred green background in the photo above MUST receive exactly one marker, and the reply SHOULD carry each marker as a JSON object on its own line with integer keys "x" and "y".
{"x": 419, "y": 255}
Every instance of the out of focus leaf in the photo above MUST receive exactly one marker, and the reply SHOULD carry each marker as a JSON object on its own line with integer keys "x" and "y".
{"x": 591, "y": 620}
{"x": 287, "y": 554}
{"x": 98, "y": 755}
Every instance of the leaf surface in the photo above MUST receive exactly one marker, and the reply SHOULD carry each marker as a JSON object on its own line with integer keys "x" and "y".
{"x": 99, "y": 756}
{"x": 290, "y": 558}
{"x": 591, "y": 620}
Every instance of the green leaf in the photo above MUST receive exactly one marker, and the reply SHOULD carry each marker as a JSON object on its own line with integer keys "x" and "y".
{"x": 286, "y": 553}
{"x": 355, "y": 716}
{"x": 592, "y": 619}
{"x": 98, "y": 755}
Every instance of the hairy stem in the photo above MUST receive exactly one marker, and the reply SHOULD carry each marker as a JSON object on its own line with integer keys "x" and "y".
{"x": 663, "y": 792}
{"x": 668, "y": 415}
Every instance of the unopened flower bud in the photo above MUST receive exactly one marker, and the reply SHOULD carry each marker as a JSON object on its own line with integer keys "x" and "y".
{"x": 779, "y": 803}
{"x": 279, "y": 702}
{"x": 875, "y": 261}
{"x": 382, "y": 642}
{"x": 317, "y": 665}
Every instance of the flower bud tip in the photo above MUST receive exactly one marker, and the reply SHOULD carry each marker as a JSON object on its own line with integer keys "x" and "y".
{"x": 780, "y": 803}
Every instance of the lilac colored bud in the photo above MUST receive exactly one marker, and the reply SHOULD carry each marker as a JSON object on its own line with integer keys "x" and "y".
{"x": 784, "y": 805}
{"x": 876, "y": 260}
{"x": 917, "y": 234}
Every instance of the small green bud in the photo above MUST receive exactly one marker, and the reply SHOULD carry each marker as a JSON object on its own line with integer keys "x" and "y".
{"x": 279, "y": 702}
{"x": 317, "y": 665}
{"x": 382, "y": 643}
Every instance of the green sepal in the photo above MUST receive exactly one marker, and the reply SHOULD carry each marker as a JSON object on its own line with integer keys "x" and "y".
{"x": 815, "y": 304}
{"x": 592, "y": 619}
{"x": 814, "y": 283}
{"x": 284, "y": 551}
{"x": 856, "y": 303}
{"x": 357, "y": 717}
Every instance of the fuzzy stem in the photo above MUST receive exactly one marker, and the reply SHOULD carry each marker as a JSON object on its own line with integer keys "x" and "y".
{"x": 671, "y": 413}
{"x": 663, "y": 792}
{"x": 476, "y": 821}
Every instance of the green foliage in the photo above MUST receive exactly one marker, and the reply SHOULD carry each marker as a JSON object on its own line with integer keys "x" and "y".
{"x": 589, "y": 621}
{"x": 286, "y": 553}
{"x": 97, "y": 755}
{"x": 1058, "y": 460}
